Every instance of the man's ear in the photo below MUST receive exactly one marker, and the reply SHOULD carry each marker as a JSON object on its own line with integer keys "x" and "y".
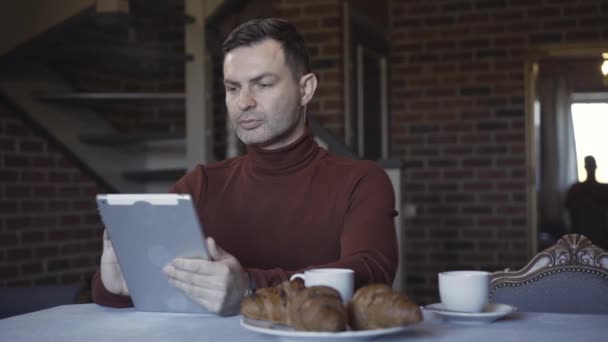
{"x": 308, "y": 85}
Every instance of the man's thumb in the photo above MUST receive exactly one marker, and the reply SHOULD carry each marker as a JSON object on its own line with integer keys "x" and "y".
{"x": 215, "y": 252}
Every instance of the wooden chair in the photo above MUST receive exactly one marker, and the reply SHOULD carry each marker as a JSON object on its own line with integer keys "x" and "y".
{"x": 568, "y": 277}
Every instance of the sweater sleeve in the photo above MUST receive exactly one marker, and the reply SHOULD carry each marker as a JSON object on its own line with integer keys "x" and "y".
{"x": 368, "y": 240}
{"x": 103, "y": 297}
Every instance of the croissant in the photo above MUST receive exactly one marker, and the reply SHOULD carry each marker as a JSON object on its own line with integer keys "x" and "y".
{"x": 317, "y": 308}
{"x": 378, "y": 306}
{"x": 270, "y": 303}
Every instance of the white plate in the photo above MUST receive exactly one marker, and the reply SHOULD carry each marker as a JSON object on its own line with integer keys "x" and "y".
{"x": 286, "y": 333}
{"x": 491, "y": 313}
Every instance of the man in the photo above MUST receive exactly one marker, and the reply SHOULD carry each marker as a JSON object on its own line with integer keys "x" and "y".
{"x": 285, "y": 206}
{"x": 587, "y": 204}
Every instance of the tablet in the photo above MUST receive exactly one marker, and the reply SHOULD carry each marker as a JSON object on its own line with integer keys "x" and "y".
{"x": 147, "y": 232}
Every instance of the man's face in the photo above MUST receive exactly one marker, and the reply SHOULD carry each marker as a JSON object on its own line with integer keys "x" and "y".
{"x": 262, "y": 96}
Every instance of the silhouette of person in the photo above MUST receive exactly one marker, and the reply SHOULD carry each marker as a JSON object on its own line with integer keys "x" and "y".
{"x": 587, "y": 205}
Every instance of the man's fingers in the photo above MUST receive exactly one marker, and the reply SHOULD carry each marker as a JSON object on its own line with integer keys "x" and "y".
{"x": 215, "y": 251}
{"x": 108, "y": 256}
{"x": 211, "y": 299}
{"x": 199, "y": 266}
{"x": 194, "y": 279}
{"x": 107, "y": 244}
{"x": 189, "y": 289}
{"x": 106, "y": 238}
{"x": 217, "y": 284}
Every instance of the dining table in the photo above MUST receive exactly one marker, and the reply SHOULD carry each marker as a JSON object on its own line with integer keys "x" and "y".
{"x": 91, "y": 322}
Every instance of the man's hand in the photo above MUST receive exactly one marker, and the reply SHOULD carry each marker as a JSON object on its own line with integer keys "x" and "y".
{"x": 111, "y": 275}
{"x": 218, "y": 284}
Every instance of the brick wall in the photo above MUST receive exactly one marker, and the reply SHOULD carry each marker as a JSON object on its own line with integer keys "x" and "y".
{"x": 458, "y": 116}
{"x": 49, "y": 228}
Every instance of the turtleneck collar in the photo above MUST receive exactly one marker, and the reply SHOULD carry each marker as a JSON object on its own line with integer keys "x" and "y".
{"x": 285, "y": 160}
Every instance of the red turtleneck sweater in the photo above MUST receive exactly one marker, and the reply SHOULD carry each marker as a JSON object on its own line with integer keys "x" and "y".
{"x": 282, "y": 211}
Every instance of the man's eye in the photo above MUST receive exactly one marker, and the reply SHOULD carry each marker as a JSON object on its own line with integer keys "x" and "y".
{"x": 264, "y": 85}
{"x": 230, "y": 89}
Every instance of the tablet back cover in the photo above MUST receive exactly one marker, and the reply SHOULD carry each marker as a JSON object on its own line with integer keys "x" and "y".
{"x": 147, "y": 232}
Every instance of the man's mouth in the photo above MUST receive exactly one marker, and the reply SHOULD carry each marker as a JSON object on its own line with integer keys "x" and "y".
{"x": 249, "y": 124}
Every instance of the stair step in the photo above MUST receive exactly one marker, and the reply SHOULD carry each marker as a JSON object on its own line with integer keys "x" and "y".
{"x": 112, "y": 20}
{"x": 143, "y": 176}
{"x": 158, "y": 10}
{"x": 128, "y": 69}
{"x": 139, "y": 53}
{"x": 119, "y": 20}
{"x": 126, "y": 138}
{"x": 96, "y": 97}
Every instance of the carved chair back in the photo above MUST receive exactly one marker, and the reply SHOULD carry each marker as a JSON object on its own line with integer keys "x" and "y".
{"x": 568, "y": 277}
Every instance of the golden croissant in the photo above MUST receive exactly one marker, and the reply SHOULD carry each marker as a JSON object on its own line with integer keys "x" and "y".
{"x": 320, "y": 308}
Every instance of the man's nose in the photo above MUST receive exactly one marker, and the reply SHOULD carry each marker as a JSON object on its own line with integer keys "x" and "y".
{"x": 246, "y": 100}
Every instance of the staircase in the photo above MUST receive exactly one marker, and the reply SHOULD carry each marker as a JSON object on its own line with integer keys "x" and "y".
{"x": 137, "y": 159}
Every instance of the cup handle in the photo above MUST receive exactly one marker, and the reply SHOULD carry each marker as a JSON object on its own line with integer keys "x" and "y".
{"x": 297, "y": 275}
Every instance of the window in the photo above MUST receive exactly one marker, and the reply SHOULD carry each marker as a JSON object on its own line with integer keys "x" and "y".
{"x": 590, "y": 121}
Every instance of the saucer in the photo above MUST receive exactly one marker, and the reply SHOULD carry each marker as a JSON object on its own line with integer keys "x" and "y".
{"x": 491, "y": 313}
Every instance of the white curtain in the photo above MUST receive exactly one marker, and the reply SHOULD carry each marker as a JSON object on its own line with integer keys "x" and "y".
{"x": 557, "y": 148}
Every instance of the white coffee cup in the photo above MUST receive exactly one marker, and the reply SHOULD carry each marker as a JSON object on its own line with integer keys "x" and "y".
{"x": 465, "y": 291}
{"x": 341, "y": 279}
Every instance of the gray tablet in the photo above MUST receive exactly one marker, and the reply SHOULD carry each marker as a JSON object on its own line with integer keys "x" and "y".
{"x": 147, "y": 232}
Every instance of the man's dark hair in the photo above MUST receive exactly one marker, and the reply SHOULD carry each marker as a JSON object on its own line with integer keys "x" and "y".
{"x": 257, "y": 30}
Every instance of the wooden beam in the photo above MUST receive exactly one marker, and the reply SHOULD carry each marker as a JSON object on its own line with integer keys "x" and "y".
{"x": 74, "y": 97}
{"x": 21, "y": 21}
{"x": 198, "y": 115}
{"x": 112, "y": 6}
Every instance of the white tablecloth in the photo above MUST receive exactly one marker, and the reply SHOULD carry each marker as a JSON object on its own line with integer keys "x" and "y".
{"x": 90, "y": 322}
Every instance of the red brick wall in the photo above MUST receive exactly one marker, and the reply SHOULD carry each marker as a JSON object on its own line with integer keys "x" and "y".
{"x": 457, "y": 109}
{"x": 49, "y": 228}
